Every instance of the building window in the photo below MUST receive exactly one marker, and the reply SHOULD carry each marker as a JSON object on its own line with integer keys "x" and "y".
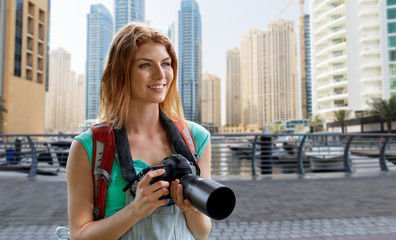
{"x": 337, "y": 53}
{"x": 392, "y": 41}
{"x": 392, "y": 27}
{"x": 390, "y": 2}
{"x": 393, "y": 83}
{"x": 338, "y": 78}
{"x": 392, "y": 55}
{"x": 18, "y": 38}
{"x": 391, "y": 13}
{"x": 338, "y": 66}
{"x": 392, "y": 69}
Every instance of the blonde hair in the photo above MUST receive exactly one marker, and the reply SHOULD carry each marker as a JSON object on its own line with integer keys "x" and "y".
{"x": 115, "y": 90}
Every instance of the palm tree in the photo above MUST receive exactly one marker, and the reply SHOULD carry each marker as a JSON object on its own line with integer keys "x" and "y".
{"x": 385, "y": 109}
{"x": 276, "y": 128}
{"x": 316, "y": 122}
{"x": 2, "y": 111}
{"x": 340, "y": 117}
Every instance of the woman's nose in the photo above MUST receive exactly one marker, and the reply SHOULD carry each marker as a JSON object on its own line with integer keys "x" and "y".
{"x": 158, "y": 72}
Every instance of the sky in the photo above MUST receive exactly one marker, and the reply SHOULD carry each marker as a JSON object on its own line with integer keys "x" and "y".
{"x": 223, "y": 23}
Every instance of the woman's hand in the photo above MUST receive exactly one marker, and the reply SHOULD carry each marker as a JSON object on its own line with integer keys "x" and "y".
{"x": 147, "y": 196}
{"x": 176, "y": 190}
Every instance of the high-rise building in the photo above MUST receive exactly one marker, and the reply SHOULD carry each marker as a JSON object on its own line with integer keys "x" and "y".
{"x": 65, "y": 95}
{"x": 388, "y": 49}
{"x": 350, "y": 61}
{"x": 211, "y": 99}
{"x": 173, "y": 34}
{"x": 99, "y": 37}
{"x": 252, "y": 77}
{"x": 23, "y": 64}
{"x": 126, "y": 11}
{"x": 282, "y": 86}
{"x": 233, "y": 86}
{"x": 189, "y": 74}
{"x": 307, "y": 112}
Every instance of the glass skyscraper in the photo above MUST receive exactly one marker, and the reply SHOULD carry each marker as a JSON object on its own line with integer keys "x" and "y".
{"x": 190, "y": 59}
{"x": 99, "y": 36}
{"x": 127, "y": 11}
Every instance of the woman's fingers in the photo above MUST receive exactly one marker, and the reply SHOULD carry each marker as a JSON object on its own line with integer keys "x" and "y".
{"x": 178, "y": 197}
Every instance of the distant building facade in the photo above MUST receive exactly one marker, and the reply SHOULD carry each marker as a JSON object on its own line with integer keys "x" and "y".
{"x": 65, "y": 99}
{"x": 233, "y": 87}
{"x": 126, "y": 11}
{"x": 252, "y": 77}
{"x": 190, "y": 67}
{"x": 99, "y": 37}
{"x": 23, "y": 64}
{"x": 211, "y": 99}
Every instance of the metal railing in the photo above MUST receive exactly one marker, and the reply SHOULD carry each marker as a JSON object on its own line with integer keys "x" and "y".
{"x": 232, "y": 154}
{"x": 264, "y": 154}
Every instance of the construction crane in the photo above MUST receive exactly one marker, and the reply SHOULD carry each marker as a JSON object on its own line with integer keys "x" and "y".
{"x": 283, "y": 9}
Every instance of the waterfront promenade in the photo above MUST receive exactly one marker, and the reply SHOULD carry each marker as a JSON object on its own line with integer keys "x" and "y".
{"x": 320, "y": 206}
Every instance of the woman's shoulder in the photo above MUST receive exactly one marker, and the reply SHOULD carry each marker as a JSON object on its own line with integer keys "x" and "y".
{"x": 86, "y": 140}
{"x": 197, "y": 129}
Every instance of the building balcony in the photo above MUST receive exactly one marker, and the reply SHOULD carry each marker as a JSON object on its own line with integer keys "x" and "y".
{"x": 328, "y": 61}
{"x": 331, "y": 73}
{"x": 332, "y": 97}
{"x": 373, "y": 78}
{"x": 333, "y": 35}
{"x": 373, "y": 23}
{"x": 330, "y": 48}
{"x": 331, "y": 84}
{"x": 332, "y": 23}
{"x": 371, "y": 65}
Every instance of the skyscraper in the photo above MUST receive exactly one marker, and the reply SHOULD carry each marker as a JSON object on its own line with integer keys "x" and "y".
{"x": 99, "y": 36}
{"x": 282, "y": 86}
{"x": 65, "y": 98}
{"x": 252, "y": 77}
{"x": 189, "y": 73}
{"x": 307, "y": 67}
{"x": 233, "y": 85}
{"x": 211, "y": 102}
{"x": 23, "y": 64}
{"x": 126, "y": 11}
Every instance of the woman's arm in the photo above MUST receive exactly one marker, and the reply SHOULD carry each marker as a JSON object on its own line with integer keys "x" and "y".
{"x": 81, "y": 200}
{"x": 198, "y": 223}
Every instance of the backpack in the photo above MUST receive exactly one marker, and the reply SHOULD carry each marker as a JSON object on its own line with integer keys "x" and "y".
{"x": 104, "y": 149}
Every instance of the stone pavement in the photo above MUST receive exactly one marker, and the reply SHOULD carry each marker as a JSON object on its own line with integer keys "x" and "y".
{"x": 321, "y": 206}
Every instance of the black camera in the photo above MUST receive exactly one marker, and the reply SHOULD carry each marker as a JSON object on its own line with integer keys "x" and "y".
{"x": 209, "y": 197}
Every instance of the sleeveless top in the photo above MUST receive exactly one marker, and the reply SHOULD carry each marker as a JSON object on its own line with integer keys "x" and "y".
{"x": 166, "y": 222}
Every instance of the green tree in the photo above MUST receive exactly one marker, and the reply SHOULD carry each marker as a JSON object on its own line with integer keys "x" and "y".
{"x": 341, "y": 117}
{"x": 385, "y": 109}
{"x": 316, "y": 122}
{"x": 298, "y": 128}
{"x": 276, "y": 128}
{"x": 2, "y": 111}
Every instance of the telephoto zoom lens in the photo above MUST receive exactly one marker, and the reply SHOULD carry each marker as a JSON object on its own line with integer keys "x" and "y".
{"x": 209, "y": 197}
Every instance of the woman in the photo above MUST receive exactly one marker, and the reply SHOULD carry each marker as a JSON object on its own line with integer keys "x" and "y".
{"x": 139, "y": 81}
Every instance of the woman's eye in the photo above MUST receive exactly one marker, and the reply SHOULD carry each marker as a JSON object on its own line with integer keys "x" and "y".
{"x": 166, "y": 64}
{"x": 144, "y": 65}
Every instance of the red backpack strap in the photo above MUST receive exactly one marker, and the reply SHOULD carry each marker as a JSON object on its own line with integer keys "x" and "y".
{"x": 102, "y": 163}
{"x": 188, "y": 138}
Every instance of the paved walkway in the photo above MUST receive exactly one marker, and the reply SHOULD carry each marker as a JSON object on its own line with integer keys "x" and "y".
{"x": 325, "y": 207}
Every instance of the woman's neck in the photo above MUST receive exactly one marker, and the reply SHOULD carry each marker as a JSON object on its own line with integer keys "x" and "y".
{"x": 143, "y": 119}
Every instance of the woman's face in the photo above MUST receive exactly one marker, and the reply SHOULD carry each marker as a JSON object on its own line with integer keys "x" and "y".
{"x": 152, "y": 73}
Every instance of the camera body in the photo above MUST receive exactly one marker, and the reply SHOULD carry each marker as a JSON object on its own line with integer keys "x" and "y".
{"x": 176, "y": 167}
{"x": 209, "y": 197}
